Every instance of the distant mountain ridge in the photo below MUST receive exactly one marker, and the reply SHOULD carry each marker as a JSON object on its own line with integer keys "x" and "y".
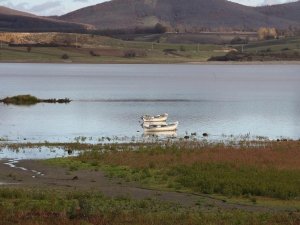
{"x": 176, "y": 15}
{"x": 289, "y": 11}
{"x": 183, "y": 15}
{"x": 13, "y": 20}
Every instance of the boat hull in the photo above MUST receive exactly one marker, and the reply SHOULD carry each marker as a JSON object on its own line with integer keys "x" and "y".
{"x": 148, "y": 124}
{"x": 170, "y": 127}
{"x": 159, "y": 118}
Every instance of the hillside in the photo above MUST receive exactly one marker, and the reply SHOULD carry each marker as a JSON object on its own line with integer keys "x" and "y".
{"x": 13, "y": 20}
{"x": 289, "y": 11}
{"x": 8, "y": 11}
{"x": 177, "y": 15}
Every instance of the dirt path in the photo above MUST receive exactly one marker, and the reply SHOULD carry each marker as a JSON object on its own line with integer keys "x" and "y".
{"x": 36, "y": 174}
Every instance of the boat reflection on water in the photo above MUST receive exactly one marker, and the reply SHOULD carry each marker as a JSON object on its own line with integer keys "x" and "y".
{"x": 168, "y": 134}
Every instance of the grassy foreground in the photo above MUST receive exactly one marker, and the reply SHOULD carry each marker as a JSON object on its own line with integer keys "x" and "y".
{"x": 52, "y": 207}
{"x": 258, "y": 174}
{"x": 268, "y": 169}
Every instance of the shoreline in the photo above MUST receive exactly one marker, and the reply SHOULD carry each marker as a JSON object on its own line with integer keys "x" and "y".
{"x": 162, "y": 63}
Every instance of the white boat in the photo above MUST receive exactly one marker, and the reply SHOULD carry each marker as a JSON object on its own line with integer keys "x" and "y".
{"x": 158, "y": 118}
{"x": 147, "y": 124}
{"x": 160, "y": 128}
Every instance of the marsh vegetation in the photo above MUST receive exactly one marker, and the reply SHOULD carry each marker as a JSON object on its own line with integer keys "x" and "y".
{"x": 31, "y": 100}
{"x": 267, "y": 169}
{"x": 29, "y": 206}
{"x": 261, "y": 175}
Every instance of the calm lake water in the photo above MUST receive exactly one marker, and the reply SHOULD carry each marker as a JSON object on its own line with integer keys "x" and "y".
{"x": 262, "y": 100}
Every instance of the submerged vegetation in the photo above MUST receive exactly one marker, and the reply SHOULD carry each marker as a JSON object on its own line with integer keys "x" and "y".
{"x": 31, "y": 100}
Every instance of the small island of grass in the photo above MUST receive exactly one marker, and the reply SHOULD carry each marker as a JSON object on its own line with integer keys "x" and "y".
{"x": 31, "y": 100}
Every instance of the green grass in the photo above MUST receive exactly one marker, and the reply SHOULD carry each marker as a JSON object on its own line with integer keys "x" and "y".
{"x": 153, "y": 56}
{"x": 208, "y": 168}
{"x": 293, "y": 44}
{"x": 25, "y": 206}
{"x": 230, "y": 180}
{"x": 211, "y": 178}
{"x": 154, "y": 51}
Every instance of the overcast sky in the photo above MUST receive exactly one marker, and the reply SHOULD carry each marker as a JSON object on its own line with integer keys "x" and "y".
{"x": 58, "y": 7}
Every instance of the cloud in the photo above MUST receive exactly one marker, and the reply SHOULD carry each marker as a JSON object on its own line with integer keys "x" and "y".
{"x": 271, "y": 2}
{"x": 261, "y": 2}
{"x": 83, "y": 1}
{"x": 59, "y": 7}
{"x": 52, "y": 7}
{"x": 45, "y": 6}
{"x": 48, "y": 8}
{"x": 23, "y": 6}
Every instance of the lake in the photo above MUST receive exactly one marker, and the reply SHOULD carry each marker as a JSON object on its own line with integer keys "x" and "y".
{"x": 108, "y": 100}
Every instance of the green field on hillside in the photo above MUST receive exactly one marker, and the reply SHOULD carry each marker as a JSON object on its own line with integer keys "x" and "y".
{"x": 80, "y": 48}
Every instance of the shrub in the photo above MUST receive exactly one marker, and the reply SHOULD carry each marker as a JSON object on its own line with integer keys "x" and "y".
{"x": 169, "y": 50}
{"x": 266, "y": 33}
{"x": 65, "y": 56}
{"x": 130, "y": 54}
{"x": 237, "y": 40}
{"x": 159, "y": 28}
{"x": 93, "y": 53}
{"x": 182, "y": 48}
{"x": 29, "y": 48}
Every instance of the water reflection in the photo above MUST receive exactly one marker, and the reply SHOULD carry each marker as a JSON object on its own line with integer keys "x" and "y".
{"x": 147, "y": 124}
{"x": 34, "y": 153}
{"x": 160, "y": 134}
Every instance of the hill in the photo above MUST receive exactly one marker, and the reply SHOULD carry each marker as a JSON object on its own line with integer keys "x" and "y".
{"x": 289, "y": 11}
{"x": 8, "y": 11}
{"x": 13, "y": 20}
{"x": 177, "y": 15}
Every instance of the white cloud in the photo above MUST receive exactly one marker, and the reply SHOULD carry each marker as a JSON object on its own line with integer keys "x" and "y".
{"x": 58, "y": 7}
{"x": 261, "y": 2}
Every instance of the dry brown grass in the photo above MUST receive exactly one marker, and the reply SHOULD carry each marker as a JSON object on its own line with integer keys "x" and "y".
{"x": 279, "y": 155}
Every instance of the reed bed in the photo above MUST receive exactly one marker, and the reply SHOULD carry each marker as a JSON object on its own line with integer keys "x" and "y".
{"x": 277, "y": 155}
